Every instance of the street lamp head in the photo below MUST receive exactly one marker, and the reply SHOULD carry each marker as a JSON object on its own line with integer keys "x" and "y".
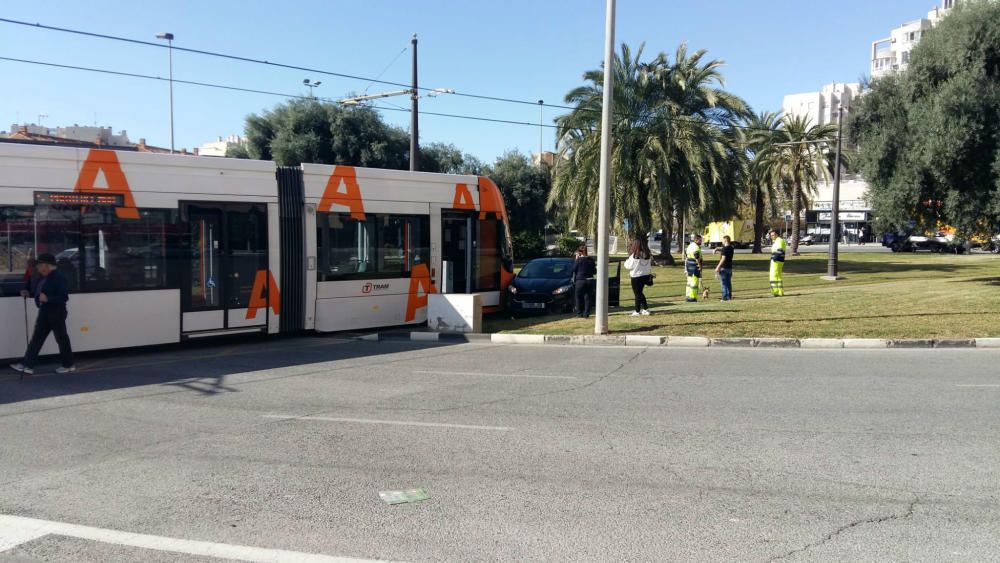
{"x": 317, "y": 83}
{"x": 167, "y": 36}
{"x": 305, "y": 81}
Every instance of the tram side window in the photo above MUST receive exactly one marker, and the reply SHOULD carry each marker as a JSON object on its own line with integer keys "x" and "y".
{"x": 17, "y": 247}
{"x": 57, "y": 231}
{"x": 99, "y": 251}
{"x": 381, "y": 246}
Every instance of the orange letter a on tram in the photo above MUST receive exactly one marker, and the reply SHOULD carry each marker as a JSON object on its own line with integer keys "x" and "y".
{"x": 264, "y": 281}
{"x": 463, "y": 198}
{"x": 420, "y": 281}
{"x": 102, "y": 160}
{"x": 349, "y": 198}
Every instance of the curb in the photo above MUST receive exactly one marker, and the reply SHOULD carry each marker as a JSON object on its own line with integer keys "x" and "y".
{"x": 641, "y": 340}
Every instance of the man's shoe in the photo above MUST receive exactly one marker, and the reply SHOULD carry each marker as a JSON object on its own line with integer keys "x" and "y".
{"x": 70, "y": 369}
{"x": 645, "y": 312}
{"x": 635, "y": 313}
{"x": 691, "y": 300}
{"x": 22, "y": 368}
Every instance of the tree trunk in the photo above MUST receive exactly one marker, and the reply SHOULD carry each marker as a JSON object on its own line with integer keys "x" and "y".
{"x": 666, "y": 241}
{"x": 758, "y": 220}
{"x": 796, "y": 221}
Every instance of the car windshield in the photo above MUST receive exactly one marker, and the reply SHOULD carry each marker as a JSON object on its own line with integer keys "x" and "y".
{"x": 546, "y": 269}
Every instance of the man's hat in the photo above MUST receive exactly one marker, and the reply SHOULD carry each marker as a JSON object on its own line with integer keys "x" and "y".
{"x": 46, "y": 258}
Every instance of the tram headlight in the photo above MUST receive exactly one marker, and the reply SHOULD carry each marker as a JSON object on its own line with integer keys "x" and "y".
{"x": 562, "y": 290}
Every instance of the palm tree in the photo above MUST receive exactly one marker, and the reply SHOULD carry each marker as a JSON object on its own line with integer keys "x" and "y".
{"x": 764, "y": 174}
{"x": 805, "y": 157}
{"x": 704, "y": 151}
{"x": 637, "y": 156}
{"x": 673, "y": 148}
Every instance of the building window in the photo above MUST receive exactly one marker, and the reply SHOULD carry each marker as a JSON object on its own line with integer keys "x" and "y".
{"x": 381, "y": 246}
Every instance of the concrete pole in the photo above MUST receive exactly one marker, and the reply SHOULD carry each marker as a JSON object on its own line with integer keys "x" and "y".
{"x": 603, "y": 205}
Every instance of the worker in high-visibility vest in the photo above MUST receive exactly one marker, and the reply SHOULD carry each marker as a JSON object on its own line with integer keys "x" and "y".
{"x": 692, "y": 266}
{"x": 778, "y": 249}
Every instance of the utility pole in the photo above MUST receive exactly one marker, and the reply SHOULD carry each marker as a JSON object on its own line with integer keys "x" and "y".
{"x": 541, "y": 106}
{"x": 831, "y": 266}
{"x": 414, "y": 133}
{"x": 170, "y": 69}
{"x": 603, "y": 204}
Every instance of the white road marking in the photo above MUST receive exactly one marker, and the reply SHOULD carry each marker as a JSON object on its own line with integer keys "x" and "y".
{"x": 391, "y": 422}
{"x": 977, "y": 386}
{"x": 474, "y": 373}
{"x": 15, "y": 530}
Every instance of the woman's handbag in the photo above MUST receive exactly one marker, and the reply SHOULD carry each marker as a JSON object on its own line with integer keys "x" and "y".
{"x": 649, "y": 279}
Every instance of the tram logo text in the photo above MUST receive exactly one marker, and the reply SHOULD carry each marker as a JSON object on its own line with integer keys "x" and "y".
{"x": 369, "y": 287}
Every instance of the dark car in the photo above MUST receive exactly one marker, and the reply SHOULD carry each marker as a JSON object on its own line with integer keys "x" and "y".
{"x": 543, "y": 285}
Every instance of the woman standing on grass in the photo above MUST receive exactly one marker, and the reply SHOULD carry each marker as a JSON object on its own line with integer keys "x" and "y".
{"x": 640, "y": 267}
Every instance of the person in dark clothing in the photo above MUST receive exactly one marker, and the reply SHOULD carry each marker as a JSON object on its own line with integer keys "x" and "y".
{"x": 51, "y": 295}
{"x": 724, "y": 271}
{"x": 584, "y": 270}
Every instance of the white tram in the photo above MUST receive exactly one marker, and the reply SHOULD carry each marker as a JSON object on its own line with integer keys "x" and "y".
{"x": 163, "y": 248}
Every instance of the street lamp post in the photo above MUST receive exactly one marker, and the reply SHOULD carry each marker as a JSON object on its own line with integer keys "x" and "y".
{"x": 311, "y": 85}
{"x": 603, "y": 204}
{"x": 831, "y": 267}
{"x": 170, "y": 54}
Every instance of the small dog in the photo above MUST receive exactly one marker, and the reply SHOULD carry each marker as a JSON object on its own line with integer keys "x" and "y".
{"x": 704, "y": 294}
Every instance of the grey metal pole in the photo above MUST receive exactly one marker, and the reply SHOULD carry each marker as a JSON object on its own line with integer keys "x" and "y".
{"x": 831, "y": 267}
{"x": 414, "y": 119}
{"x": 603, "y": 205}
{"x": 170, "y": 57}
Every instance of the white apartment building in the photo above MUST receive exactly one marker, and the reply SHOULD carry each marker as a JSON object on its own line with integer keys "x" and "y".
{"x": 892, "y": 54}
{"x": 220, "y": 146}
{"x": 86, "y": 134}
{"x": 821, "y": 107}
{"x": 855, "y": 212}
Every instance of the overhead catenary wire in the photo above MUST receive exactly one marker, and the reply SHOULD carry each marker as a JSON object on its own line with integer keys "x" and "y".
{"x": 256, "y": 91}
{"x": 240, "y": 58}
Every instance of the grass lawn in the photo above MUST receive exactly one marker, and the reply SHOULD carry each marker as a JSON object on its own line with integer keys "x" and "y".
{"x": 881, "y": 296}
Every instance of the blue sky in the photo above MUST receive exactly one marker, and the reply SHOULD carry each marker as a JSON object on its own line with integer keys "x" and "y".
{"x": 521, "y": 49}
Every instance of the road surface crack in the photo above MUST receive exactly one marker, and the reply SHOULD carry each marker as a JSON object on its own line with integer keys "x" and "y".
{"x": 876, "y": 520}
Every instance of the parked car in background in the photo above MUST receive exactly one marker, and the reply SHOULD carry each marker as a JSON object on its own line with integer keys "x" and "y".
{"x": 543, "y": 285}
{"x": 815, "y": 238}
{"x": 939, "y": 242}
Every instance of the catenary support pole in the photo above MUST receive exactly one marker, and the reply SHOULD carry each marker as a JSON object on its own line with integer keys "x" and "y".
{"x": 603, "y": 211}
{"x": 414, "y": 118}
{"x": 831, "y": 267}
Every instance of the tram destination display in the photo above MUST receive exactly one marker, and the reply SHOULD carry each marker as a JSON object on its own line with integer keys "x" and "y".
{"x": 79, "y": 198}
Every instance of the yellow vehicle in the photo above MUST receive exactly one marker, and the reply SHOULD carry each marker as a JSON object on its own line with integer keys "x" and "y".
{"x": 739, "y": 230}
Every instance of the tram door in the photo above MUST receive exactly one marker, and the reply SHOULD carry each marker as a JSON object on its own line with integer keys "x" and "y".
{"x": 457, "y": 254}
{"x": 225, "y": 266}
{"x": 470, "y": 252}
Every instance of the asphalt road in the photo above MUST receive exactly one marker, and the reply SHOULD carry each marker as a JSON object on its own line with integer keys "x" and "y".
{"x": 527, "y": 453}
